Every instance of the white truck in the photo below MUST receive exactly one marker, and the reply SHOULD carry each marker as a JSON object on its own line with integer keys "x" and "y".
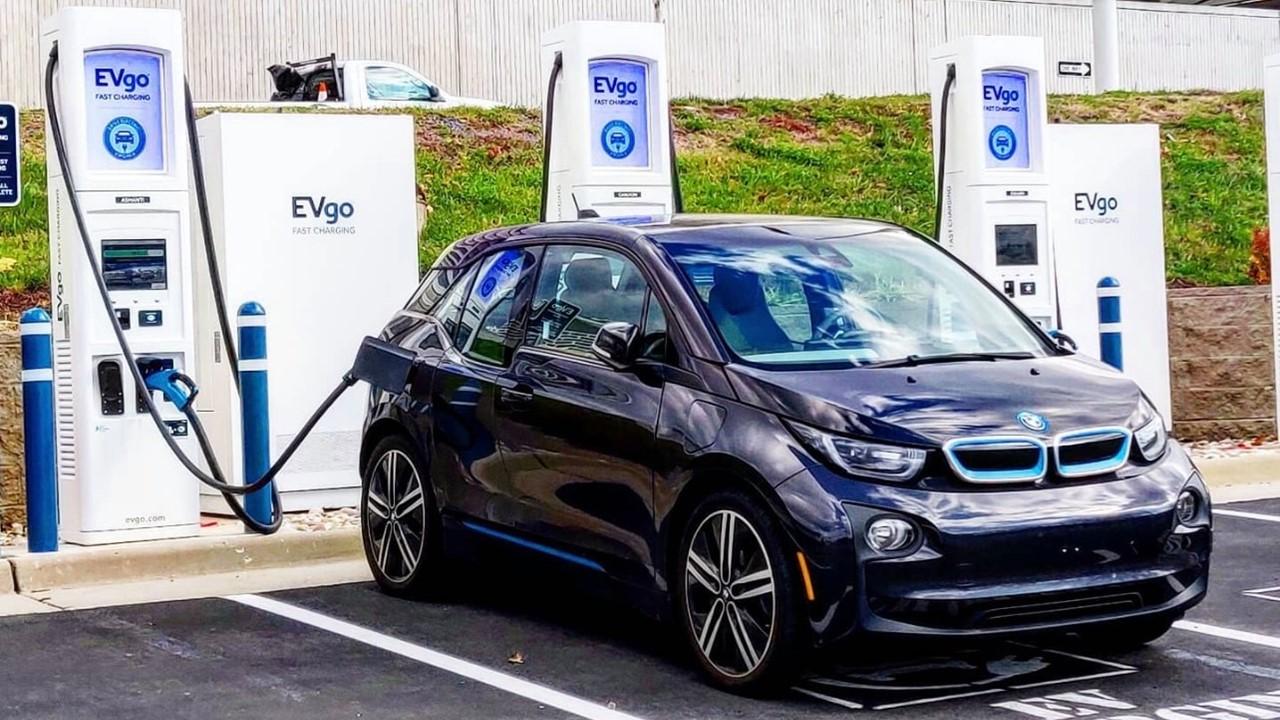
{"x": 330, "y": 82}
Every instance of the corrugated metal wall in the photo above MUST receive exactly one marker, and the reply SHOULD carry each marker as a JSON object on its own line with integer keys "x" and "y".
{"x": 719, "y": 48}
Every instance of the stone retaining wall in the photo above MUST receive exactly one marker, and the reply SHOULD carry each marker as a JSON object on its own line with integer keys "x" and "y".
{"x": 12, "y": 491}
{"x": 1221, "y": 362}
{"x": 1220, "y": 346}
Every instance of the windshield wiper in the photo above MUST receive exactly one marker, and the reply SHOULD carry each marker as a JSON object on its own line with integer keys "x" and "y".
{"x": 913, "y": 360}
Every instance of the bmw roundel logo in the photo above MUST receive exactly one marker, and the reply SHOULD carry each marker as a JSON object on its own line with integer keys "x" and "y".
{"x": 124, "y": 138}
{"x": 618, "y": 139}
{"x": 1032, "y": 421}
{"x": 1002, "y": 142}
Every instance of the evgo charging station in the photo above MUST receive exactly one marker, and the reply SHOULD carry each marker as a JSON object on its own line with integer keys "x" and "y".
{"x": 994, "y": 180}
{"x": 609, "y": 151}
{"x": 118, "y": 86}
{"x": 123, "y": 160}
{"x": 1046, "y": 212}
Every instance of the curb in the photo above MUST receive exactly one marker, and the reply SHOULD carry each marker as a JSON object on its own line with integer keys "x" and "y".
{"x": 1244, "y": 477}
{"x": 169, "y": 559}
{"x": 6, "y": 577}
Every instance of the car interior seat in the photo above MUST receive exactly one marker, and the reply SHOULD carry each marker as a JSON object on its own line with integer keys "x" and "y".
{"x": 588, "y": 284}
{"x": 739, "y": 309}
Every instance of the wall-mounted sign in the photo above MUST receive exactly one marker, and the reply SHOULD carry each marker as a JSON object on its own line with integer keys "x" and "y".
{"x": 124, "y": 110}
{"x": 1075, "y": 68}
{"x": 10, "y": 163}
{"x": 1004, "y": 113}
{"x": 619, "y": 92}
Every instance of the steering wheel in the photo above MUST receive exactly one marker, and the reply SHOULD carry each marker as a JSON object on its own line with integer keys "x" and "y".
{"x": 833, "y": 327}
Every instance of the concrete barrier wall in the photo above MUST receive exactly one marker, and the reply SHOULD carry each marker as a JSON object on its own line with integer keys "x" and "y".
{"x": 1220, "y": 343}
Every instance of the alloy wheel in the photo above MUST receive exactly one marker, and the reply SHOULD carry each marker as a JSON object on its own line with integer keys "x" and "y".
{"x": 729, "y": 594}
{"x": 396, "y": 516}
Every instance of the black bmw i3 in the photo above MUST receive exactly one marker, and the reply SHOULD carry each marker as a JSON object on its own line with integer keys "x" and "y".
{"x": 780, "y": 433}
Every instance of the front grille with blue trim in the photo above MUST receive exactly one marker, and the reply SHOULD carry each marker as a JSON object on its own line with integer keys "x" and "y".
{"x": 1091, "y": 452}
{"x": 1023, "y": 458}
{"x": 997, "y": 459}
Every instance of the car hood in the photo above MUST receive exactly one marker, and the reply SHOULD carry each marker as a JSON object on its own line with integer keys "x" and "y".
{"x": 930, "y": 404}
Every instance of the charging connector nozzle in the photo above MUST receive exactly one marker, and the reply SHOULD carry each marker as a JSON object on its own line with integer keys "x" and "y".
{"x": 177, "y": 387}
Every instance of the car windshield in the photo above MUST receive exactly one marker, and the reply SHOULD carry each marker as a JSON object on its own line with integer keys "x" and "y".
{"x": 887, "y": 297}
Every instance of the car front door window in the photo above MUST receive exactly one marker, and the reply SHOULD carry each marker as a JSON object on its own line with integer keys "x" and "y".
{"x": 579, "y": 290}
{"x": 388, "y": 83}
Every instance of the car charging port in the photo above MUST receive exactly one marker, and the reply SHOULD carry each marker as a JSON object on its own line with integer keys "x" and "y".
{"x": 384, "y": 365}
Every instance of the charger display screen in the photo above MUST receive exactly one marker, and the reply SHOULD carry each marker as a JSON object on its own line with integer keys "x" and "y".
{"x": 135, "y": 264}
{"x": 124, "y": 110}
{"x": 1016, "y": 245}
{"x": 619, "y": 93}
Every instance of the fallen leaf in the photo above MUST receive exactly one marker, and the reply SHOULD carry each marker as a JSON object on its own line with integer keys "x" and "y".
{"x": 517, "y": 658}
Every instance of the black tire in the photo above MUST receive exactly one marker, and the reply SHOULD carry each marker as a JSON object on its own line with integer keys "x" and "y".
{"x": 1124, "y": 635}
{"x": 746, "y": 655}
{"x": 402, "y": 549}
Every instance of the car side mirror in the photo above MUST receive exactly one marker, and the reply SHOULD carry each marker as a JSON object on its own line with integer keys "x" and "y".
{"x": 616, "y": 343}
{"x": 1064, "y": 340}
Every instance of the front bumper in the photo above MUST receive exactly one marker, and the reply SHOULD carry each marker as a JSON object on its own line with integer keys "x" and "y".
{"x": 1009, "y": 560}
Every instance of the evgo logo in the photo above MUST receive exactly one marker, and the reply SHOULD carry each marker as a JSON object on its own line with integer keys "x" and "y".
{"x": 615, "y": 86}
{"x": 119, "y": 77}
{"x": 999, "y": 92}
{"x": 1093, "y": 202}
{"x": 1094, "y": 208}
{"x": 305, "y": 206}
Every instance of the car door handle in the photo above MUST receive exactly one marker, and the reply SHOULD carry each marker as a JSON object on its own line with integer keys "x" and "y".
{"x": 511, "y": 390}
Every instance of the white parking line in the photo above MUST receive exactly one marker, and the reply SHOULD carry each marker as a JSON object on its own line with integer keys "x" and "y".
{"x": 1229, "y": 634}
{"x": 926, "y": 701}
{"x": 1005, "y": 683}
{"x": 1082, "y": 678}
{"x": 833, "y": 700}
{"x": 479, "y": 673}
{"x": 1074, "y": 656}
{"x": 1266, "y": 593}
{"x": 1249, "y": 515}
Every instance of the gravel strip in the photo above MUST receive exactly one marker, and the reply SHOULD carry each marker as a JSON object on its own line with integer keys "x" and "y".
{"x": 13, "y": 535}
{"x": 321, "y": 520}
{"x": 1216, "y": 449}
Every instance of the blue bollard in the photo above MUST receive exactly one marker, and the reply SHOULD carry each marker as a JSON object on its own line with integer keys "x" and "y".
{"x": 39, "y": 441}
{"x": 1109, "y": 342}
{"x": 255, "y": 425}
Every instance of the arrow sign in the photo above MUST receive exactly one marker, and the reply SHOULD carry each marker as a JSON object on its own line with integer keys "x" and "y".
{"x": 10, "y": 163}
{"x": 1075, "y": 68}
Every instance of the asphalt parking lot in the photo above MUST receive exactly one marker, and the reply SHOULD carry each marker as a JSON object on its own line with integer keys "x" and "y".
{"x": 349, "y": 651}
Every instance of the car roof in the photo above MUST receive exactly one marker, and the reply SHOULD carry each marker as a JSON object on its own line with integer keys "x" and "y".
{"x": 628, "y": 231}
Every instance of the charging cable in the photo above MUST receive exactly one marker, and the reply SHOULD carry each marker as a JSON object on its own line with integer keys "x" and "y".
{"x": 942, "y": 148}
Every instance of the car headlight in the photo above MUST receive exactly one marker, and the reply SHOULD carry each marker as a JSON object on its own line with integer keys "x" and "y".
{"x": 1149, "y": 433}
{"x": 859, "y": 457}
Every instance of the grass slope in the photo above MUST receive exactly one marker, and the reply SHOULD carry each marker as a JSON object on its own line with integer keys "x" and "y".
{"x": 825, "y": 156}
